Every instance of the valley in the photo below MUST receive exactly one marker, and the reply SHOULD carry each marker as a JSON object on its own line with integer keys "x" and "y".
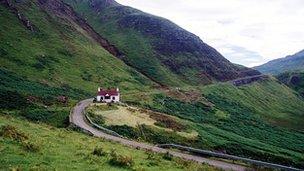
{"x": 177, "y": 89}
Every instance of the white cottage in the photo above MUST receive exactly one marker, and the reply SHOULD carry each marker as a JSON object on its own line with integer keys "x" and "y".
{"x": 108, "y": 95}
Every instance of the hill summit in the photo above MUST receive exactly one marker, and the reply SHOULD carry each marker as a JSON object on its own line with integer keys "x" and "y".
{"x": 156, "y": 47}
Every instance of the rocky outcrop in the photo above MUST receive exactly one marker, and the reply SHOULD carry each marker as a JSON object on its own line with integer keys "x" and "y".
{"x": 249, "y": 80}
{"x": 61, "y": 9}
{"x": 26, "y": 22}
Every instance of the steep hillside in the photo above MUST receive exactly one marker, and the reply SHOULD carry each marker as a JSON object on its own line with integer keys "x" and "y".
{"x": 294, "y": 80}
{"x": 57, "y": 49}
{"x": 290, "y": 63}
{"x": 51, "y": 58}
{"x": 155, "y": 46}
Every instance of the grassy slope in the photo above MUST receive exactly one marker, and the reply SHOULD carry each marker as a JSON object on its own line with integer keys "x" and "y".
{"x": 60, "y": 149}
{"x": 138, "y": 47}
{"x": 43, "y": 64}
{"x": 261, "y": 121}
{"x": 294, "y": 80}
{"x": 60, "y": 54}
{"x": 269, "y": 100}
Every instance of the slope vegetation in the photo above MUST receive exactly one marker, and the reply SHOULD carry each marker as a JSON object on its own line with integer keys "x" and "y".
{"x": 51, "y": 56}
{"x": 261, "y": 120}
{"x": 58, "y": 52}
{"x": 157, "y": 47}
{"x": 28, "y": 146}
{"x": 294, "y": 80}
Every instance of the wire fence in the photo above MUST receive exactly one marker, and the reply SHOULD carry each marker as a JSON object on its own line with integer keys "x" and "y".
{"x": 227, "y": 156}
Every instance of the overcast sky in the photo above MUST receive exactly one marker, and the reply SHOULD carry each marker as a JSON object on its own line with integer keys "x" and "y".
{"x": 247, "y": 32}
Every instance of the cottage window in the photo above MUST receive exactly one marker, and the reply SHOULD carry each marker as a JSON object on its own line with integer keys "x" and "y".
{"x": 113, "y": 98}
{"x": 107, "y": 97}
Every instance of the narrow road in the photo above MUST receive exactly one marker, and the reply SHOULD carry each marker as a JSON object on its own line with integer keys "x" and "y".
{"x": 78, "y": 119}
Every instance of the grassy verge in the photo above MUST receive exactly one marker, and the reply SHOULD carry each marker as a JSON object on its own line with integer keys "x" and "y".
{"x": 28, "y": 146}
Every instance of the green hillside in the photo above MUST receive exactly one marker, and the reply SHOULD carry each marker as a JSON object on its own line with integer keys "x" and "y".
{"x": 57, "y": 59}
{"x": 290, "y": 63}
{"x": 59, "y": 54}
{"x": 28, "y": 146}
{"x": 294, "y": 80}
{"x": 262, "y": 120}
{"x": 156, "y": 47}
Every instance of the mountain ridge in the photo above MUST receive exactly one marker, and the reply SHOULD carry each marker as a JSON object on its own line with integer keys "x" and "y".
{"x": 172, "y": 51}
{"x": 289, "y": 63}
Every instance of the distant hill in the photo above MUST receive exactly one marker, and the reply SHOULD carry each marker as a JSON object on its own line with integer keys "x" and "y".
{"x": 290, "y": 63}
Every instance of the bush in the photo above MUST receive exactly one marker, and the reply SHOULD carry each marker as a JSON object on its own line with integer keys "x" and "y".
{"x": 31, "y": 147}
{"x": 12, "y": 100}
{"x": 168, "y": 156}
{"x": 153, "y": 159}
{"x": 125, "y": 131}
{"x": 37, "y": 114}
{"x": 11, "y": 132}
{"x": 98, "y": 151}
{"x": 97, "y": 119}
{"x": 120, "y": 160}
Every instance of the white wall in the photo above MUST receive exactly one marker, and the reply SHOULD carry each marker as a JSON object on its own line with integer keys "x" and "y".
{"x": 102, "y": 99}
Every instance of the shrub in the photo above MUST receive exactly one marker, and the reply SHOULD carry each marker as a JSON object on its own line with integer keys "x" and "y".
{"x": 120, "y": 160}
{"x": 16, "y": 169}
{"x": 12, "y": 100}
{"x": 168, "y": 156}
{"x": 125, "y": 131}
{"x": 37, "y": 114}
{"x": 166, "y": 121}
{"x": 11, "y": 132}
{"x": 97, "y": 119}
{"x": 30, "y": 146}
{"x": 184, "y": 163}
{"x": 44, "y": 61}
{"x": 98, "y": 151}
{"x": 153, "y": 159}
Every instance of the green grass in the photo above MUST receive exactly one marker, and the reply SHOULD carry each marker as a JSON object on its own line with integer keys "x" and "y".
{"x": 59, "y": 59}
{"x": 139, "y": 48}
{"x": 49, "y": 148}
{"x": 45, "y": 57}
{"x": 261, "y": 121}
{"x": 272, "y": 101}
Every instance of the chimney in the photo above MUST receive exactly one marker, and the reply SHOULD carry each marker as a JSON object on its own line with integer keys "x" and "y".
{"x": 99, "y": 89}
{"x": 117, "y": 89}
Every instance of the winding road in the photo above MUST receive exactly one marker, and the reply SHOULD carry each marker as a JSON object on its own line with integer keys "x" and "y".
{"x": 77, "y": 118}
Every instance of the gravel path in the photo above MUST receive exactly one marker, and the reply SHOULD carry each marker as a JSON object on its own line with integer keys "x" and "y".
{"x": 78, "y": 119}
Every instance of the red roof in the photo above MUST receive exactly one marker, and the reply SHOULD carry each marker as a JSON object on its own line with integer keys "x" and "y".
{"x": 109, "y": 92}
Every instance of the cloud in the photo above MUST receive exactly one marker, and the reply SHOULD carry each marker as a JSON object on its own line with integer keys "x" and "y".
{"x": 242, "y": 55}
{"x": 255, "y": 30}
